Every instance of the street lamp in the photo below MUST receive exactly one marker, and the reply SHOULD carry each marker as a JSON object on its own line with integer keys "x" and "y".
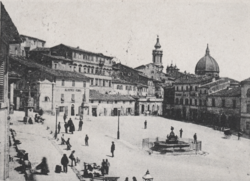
{"x": 147, "y": 177}
{"x": 118, "y": 131}
{"x": 56, "y": 122}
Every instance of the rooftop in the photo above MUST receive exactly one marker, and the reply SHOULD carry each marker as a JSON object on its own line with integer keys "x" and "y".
{"x": 84, "y": 51}
{"x": 230, "y": 92}
{"x": 95, "y": 95}
{"x": 57, "y": 57}
{"x": 53, "y": 72}
{"x": 22, "y": 36}
{"x": 217, "y": 82}
{"x": 193, "y": 79}
{"x": 119, "y": 81}
{"x": 40, "y": 49}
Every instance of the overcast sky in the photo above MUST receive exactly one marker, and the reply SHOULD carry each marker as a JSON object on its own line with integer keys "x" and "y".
{"x": 127, "y": 30}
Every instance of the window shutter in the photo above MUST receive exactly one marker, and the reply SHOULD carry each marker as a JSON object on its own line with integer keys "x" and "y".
{"x": 2, "y": 81}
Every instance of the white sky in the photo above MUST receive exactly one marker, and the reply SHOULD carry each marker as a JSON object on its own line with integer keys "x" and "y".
{"x": 128, "y": 29}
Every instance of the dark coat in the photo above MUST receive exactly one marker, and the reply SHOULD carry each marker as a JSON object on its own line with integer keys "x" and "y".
{"x": 65, "y": 160}
{"x": 71, "y": 156}
{"x": 112, "y": 147}
{"x": 72, "y": 128}
{"x": 80, "y": 123}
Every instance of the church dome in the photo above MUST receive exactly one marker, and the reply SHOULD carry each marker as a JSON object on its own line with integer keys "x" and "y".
{"x": 207, "y": 65}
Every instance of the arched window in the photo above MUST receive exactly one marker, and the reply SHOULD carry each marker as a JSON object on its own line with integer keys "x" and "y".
{"x": 46, "y": 99}
{"x": 181, "y": 101}
{"x": 176, "y": 101}
{"x": 248, "y": 108}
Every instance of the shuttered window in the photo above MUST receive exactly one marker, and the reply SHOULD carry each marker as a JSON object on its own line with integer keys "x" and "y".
{"x": 2, "y": 81}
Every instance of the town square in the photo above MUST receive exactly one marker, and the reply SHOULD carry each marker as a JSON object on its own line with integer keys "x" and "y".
{"x": 124, "y": 90}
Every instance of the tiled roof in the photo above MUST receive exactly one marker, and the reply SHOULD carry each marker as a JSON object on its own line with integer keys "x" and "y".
{"x": 119, "y": 81}
{"x": 57, "y": 57}
{"x": 193, "y": 79}
{"x": 57, "y": 73}
{"x": 232, "y": 81}
{"x": 84, "y": 51}
{"x": 95, "y": 95}
{"x": 217, "y": 82}
{"x": 231, "y": 92}
{"x": 40, "y": 49}
{"x": 22, "y": 36}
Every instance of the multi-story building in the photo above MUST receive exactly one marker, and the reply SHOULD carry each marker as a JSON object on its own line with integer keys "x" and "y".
{"x": 28, "y": 43}
{"x": 49, "y": 88}
{"x": 245, "y": 106}
{"x": 8, "y": 35}
{"x": 145, "y": 97}
{"x": 224, "y": 104}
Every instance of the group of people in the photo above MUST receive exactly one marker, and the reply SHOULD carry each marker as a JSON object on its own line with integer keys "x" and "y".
{"x": 65, "y": 161}
{"x": 105, "y": 167}
{"x": 69, "y": 125}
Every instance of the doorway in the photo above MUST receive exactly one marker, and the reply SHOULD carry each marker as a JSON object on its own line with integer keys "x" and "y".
{"x": 142, "y": 108}
{"x": 115, "y": 111}
{"x": 94, "y": 112}
{"x": 72, "y": 110}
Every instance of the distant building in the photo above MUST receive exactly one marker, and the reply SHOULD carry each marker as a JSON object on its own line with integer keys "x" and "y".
{"x": 207, "y": 65}
{"x": 245, "y": 105}
{"x": 49, "y": 87}
{"x": 28, "y": 43}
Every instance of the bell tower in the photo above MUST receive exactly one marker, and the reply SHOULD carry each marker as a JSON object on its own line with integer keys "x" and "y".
{"x": 157, "y": 54}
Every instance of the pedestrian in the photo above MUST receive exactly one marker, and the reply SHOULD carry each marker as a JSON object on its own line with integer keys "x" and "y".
{"x": 72, "y": 158}
{"x": 145, "y": 124}
{"x": 86, "y": 140}
{"x": 107, "y": 166}
{"x": 62, "y": 140}
{"x": 112, "y": 148}
{"x": 65, "y": 162}
{"x": 43, "y": 166}
{"x": 59, "y": 128}
{"x": 64, "y": 117}
{"x": 71, "y": 126}
{"x": 181, "y": 133}
{"x": 103, "y": 170}
{"x": 68, "y": 144}
{"x": 66, "y": 127}
{"x": 239, "y": 134}
{"x": 80, "y": 125}
{"x": 195, "y": 138}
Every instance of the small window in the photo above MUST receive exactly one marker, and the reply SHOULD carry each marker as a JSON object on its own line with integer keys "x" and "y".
{"x": 248, "y": 108}
{"x": 92, "y": 101}
{"x": 196, "y": 88}
{"x": 223, "y": 103}
{"x": 80, "y": 69}
{"x": 247, "y": 125}
{"x": 191, "y": 101}
{"x": 73, "y": 83}
{"x": 84, "y": 84}
{"x": 72, "y": 97}
{"x": 115, "y": 102}
{"x": 176, "y": 101}
{"x": 62, "y": 82}
{"x": 200, "y": 102}
{"x": 234, "y": 103}
{"x": 195, "y": 102}
{"x": 186, "y": 101}
{"x": 61, "y": 108}
{"x": 213, "y": 102}
{"x": 55, "y": 66}
{"x": 46, "y": 99}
